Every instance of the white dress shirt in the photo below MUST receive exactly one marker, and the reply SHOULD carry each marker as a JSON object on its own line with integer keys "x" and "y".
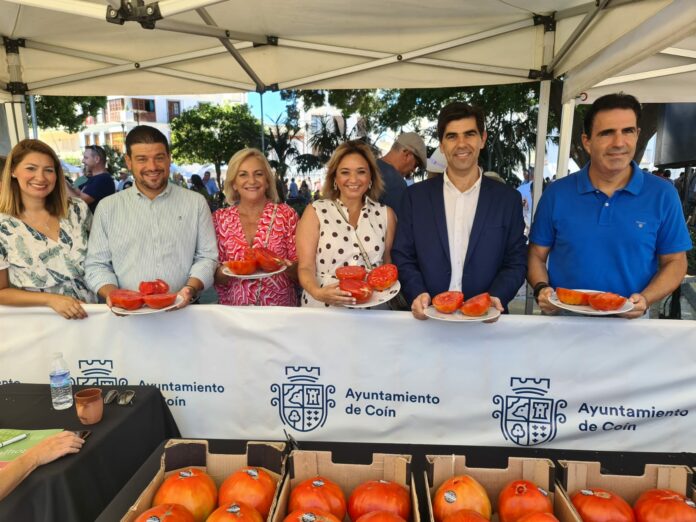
{"x": 460, "y": 209}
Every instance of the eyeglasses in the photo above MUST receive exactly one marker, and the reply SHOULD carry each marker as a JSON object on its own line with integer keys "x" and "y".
{"x": 125, "y": 398}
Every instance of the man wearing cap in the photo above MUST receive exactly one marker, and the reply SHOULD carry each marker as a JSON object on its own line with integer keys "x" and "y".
{"x": 407, "y": 153}
{"x": 123, "y": 177}
{"x": 460, "y": 231}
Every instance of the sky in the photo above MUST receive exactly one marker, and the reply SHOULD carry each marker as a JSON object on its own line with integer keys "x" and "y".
{"x": 273, "y": 106}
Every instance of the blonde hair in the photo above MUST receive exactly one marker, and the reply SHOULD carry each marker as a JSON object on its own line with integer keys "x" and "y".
{"x": 10, "y": 194}
{"x": 231, "y": 195}
{"x": 352, "y": 147}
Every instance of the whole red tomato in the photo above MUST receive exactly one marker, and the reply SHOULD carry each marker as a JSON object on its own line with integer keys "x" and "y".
{"x": 664, "y": 505}
{"x": 244, "y": 266}
{"x": 448, "y": 302}
{"x": 465, "y": 515}
{"x": 572, "y": 297}
{"x": 192, "y": 488}
{"x": 267, "y": 260}
{"x": 250, "y": 485}
{"x": 460, "y": 492}
{"x": 477, "y": 305}
{"x": 360, "y": 290}
{"x": 315, "y": 515}
{"x": 606, "y": 301}
{"x": 158, "y": 301}
{"x": 539, "y": 517}
{"x": 166, "y": 513}
{"x": 379, "y": 495}
{"x": 383, "y": 277}
{"x": 351, "y": 272}
{"x": 318, "y": 493}
{"x": 380, "y": 516}
{"x": 126, "y": 299}
{"x": 235, "y": 512}
{"x": 600, "y": 505}
{"x": 520, "y": 498}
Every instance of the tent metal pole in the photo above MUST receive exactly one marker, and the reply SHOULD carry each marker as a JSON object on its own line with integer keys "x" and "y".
{"x": 212, "y": 31}
{"x": 658, "y": 73}
{"x": 676, "y": 51}
{"x": 263, "y": 137}
{"x": 34, "y": 125}
{"x": 567, "y": 115}
{"x": 15, "y": 109}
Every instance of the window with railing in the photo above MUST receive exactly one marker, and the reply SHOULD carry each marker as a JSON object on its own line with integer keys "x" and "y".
{"x": 113, "y": 109}
{"x": 173, "y": 110}
{"x": 144, "y": 110}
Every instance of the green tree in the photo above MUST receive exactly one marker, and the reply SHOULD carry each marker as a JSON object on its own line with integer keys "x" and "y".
{"x": 213, "y": 133}
{"x": 65, "y": 112}
{"x": 280, "y": 141}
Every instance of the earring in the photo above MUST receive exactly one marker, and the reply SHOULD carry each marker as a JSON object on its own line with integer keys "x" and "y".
{"x": 369, "y": 186}
{"x": 335, "y": 187}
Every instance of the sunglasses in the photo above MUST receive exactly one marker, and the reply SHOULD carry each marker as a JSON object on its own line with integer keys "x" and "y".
{"x": 125, "y": 398}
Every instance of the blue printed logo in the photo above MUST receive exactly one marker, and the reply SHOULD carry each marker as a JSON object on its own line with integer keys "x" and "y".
{"x": 96, "y": 372}
{"x": 302, "y": 402}
{"x": 528, "y": 417}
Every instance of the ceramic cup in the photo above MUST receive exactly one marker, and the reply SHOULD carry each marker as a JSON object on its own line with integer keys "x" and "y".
{"x": 89, "y": 405}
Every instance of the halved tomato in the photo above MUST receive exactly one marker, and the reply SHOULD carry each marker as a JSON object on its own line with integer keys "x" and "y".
{"x": 351, "y": 272}
{"x": 606, "y": 301}
{"x": 126, "y": 299}
{"x": 162, "y": 286}
{"x": 244, "y": 266}
{"x": 572, "y": 297}
{"x": 448, "y": 302}
{"x": 360, "y": 290}
{"x": 383, "y": 277}
{"x": 267, "y": 260}
{"x": 477, "y": 305}
{"x": 158, "y": 301}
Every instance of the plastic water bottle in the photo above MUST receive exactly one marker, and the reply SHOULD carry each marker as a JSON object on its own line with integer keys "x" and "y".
{"x": 61, "y": 387}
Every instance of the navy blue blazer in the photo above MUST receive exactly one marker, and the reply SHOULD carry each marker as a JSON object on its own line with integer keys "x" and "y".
{"x": 496, "y": 259}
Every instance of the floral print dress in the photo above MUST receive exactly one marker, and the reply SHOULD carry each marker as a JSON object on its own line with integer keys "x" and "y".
{"x": 40, "y": 264}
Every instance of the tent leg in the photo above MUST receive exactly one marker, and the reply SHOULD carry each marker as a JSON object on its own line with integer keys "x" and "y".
{"x": 16, "y": 119}
{"x": 566, "y": 133}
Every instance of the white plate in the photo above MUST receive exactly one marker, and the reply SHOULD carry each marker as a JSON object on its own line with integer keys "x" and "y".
{"x": 379, "y": 297}
{"x": 145, "y": 310}
{"x": 256, "y": 275}
{"x": 458, "y": 317}
{"x": 588, "y": 310}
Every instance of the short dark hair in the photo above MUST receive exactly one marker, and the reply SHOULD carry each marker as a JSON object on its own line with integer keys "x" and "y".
{"x": 458, "y": 111}
{"x": 608, "y": 102}
{"x": 99, "y": 151}
{"x": 145, "y": 134}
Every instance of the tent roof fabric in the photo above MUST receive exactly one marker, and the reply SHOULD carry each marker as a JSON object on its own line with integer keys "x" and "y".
{"x": 316, "y": 44}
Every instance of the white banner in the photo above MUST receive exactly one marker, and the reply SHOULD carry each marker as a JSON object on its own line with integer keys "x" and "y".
{"x": 380, "y": 376}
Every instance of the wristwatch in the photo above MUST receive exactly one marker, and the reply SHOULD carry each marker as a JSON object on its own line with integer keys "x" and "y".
{"x": 538, "y": 288}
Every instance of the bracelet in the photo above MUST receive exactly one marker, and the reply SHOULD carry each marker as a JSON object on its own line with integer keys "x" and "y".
{"x": 194, "y": 292}
{"x": 538, "y": 288}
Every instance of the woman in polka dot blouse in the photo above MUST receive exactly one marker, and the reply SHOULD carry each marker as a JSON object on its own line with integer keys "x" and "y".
{"x": 327, "y": 235}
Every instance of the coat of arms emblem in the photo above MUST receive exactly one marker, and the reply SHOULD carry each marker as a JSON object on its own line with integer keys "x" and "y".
{"x": 528, "y": 417}
{"x": 96, "y": 372}
{"x": 303, "y": 403}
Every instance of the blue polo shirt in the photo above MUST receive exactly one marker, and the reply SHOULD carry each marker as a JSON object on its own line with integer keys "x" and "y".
{"x": 98, "y": 186}
{"x": 609, "y": 244}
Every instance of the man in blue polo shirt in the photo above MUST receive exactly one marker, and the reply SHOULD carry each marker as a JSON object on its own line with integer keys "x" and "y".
{"x": 99, "y": 182}
{"x": 609, "y": 226}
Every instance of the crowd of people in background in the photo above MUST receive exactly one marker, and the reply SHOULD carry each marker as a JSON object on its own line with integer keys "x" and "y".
{"x": 609, "y": 226}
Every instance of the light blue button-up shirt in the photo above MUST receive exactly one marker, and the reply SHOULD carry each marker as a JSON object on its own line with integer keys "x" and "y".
{"x": 136, "y": 239}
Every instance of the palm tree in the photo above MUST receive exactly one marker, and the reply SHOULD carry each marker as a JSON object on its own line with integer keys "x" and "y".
{"x": 280, "y": 141}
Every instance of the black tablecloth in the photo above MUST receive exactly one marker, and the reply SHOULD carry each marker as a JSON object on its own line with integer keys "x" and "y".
{"x": 78, "y": 487}
{"x": 620, "y": 463}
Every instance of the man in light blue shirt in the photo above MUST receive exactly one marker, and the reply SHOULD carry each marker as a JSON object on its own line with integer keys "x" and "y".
{"x": 156, "y": 230}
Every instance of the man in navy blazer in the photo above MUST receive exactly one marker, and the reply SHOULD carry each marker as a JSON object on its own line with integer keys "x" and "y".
{"x": 462, "y": 230}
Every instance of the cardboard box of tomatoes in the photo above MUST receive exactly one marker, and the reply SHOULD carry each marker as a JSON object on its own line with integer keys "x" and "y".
{"x": 180, "y": 454}
{"x": 585, "y": 479}
{"x": 313, "y": 475}
{"x": 496, "y": 494}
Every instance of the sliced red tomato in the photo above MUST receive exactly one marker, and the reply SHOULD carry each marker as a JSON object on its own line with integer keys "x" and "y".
{"x": 162, "y": 286}
{"x": 148, "y": 287}
{"x": 448, "y": 302}
{"x": 158, "y": 301}
{"x": 360, "y": 290}
{"x": 383, "y": 277}
{"x": 267, "y": 260}
{"x": 477, "y": 305}
{"x": 244, "y": 266}
{"x": 126, "y": 299}
{"x": 351, "y": 272}
{"x": 572, "y": 297}
{"x": 606, "y": 301}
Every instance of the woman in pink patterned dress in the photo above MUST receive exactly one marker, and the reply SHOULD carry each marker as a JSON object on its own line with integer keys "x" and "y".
{"x": 255, "y": 219}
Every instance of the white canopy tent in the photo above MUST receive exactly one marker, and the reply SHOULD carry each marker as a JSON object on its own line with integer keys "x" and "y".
{"x": 71, "y": 47}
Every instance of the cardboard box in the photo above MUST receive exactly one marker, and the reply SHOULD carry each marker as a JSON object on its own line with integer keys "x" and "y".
{"x": 303, "y": 465}
{"x": 181, "y": 453}
{"x": 541, "y": 472}
{"x": 575, "y": 475}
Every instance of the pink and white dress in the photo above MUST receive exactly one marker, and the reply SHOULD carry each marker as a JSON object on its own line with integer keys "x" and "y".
{"x": 277, "y": 290}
